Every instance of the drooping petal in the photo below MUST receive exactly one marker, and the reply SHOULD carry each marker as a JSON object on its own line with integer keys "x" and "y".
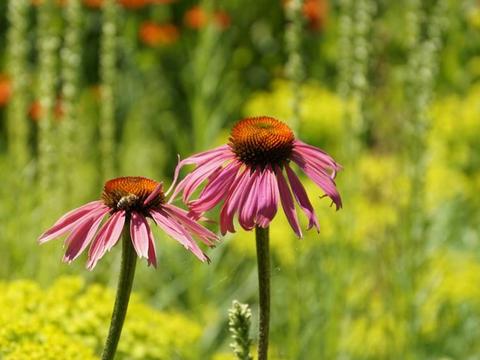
{"x": 83, "y": 234}
{"x": 302, "y": 198}
{"x": 139, "y": 234}
{"x": 216, "y": 189}
{"x": 152, "y": 253}
{"x": 248, "y": 204}
{"x": 217, "y": 156}
{"x": 69, "y": 220}
{"x": 287, "y": 202}
{"x": 176, "y": 231}
{"x": 193, "y": 180}
{"x": 317, "y": 156}
{"x": 106, "y": 238}
{"x": 205, "y": 156}
{"x": 267, "y": 204}
{"x": 181, "y": 216}
{"x": 319, "y": 177}
{"x": 232, "y": 203}
{"x": 196, "y": 177}
{"x": 116, "y": 230}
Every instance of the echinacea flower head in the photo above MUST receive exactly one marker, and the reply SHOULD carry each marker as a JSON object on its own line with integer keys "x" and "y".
{"x": 253, "y": 173}
{"x": 127, "y": 200}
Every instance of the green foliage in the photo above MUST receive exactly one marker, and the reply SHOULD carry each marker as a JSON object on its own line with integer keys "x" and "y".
{"x": 69, "y": 320}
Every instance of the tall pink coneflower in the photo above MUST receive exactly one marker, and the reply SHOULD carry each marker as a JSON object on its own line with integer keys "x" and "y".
{"x": 250, "y": 176}
{"x": 253, "y": 172}
{"x": 129, "y": 202}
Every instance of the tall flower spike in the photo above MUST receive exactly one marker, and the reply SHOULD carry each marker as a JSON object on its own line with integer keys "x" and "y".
{"x": 132, "y": 199}
{"x": 248, "y": 176}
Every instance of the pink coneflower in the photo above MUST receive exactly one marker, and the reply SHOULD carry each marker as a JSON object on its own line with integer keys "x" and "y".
{"x": 128, "y": 200}
{"x": 248, "y": 175}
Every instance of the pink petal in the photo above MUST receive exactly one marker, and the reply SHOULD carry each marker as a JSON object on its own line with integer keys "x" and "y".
{"x": 216, "y": 189}
{"x": 176, "y": 231}
{"x": 316, "y": 155}
{"x": 118, "y": 224}
{"x": 267, "y": 204}
{"x": 154, "y": 193}
{"x": 152, "y": 253}
{"x": 69, "y": 220}
{"x": 302, "y": 198}
{"x": 193, "y": 180}
{"x": 106, "y": 238}
{"x": 287, "y": 202}
{"x": 221, "y": 152}
{"x": 82, "y": 234}
{"x": 181, "y": 216}
{"x": 196, "y": 177}
{"x": 139, "y": 234}
{"x": 248, "y": 204}
{"x": 320, "y": 177}
{"x": 232, "y": 203}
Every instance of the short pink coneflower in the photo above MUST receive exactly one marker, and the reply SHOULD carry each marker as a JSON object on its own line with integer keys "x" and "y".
{"x": 128, "y": 200}
{"x": 248, "y": 175}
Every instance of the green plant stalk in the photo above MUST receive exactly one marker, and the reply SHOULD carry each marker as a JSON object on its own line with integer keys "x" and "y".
{"x": 263, "y": 262}
{"x": 108, "y": 59}
{"x": 71, "y": 63}
{"x": 125, "y": 281}
{"x": 17, "y": 52}
{"x": 48, "y": 45}
{"x": 294, "y": 67}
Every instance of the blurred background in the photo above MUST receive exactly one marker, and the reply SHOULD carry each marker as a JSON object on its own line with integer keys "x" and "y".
{"x": 92, "y": 89}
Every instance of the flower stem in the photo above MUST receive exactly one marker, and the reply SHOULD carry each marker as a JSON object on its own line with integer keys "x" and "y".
{"x": 125, "y": 280}
{"x": 263, "y": 262}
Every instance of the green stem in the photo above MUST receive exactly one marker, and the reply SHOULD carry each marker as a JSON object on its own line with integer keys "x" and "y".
{"x": 125, "y": 280}
{"x": 263, "y": 261}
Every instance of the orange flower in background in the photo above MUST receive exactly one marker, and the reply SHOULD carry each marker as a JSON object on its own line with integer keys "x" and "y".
{"x": 197, "y": 18}
{"x": 129, "y": 4}
{"x": 153, "y": 34}
{"x": 5, "y": 90}
{"x": 35, "y": 112}
{"x": 162, "y": 2}
{"x": 58, "y": 2}
{"x": 315, "y": 11}
{"x": 93, "y": 4}
{"x": 222, "y": 19}
{"x": 134, "y": 4}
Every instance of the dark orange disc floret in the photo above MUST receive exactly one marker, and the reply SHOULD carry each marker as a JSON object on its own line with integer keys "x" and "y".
{"x": 260, "y": 141}
{"x": 130, "y": 192}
